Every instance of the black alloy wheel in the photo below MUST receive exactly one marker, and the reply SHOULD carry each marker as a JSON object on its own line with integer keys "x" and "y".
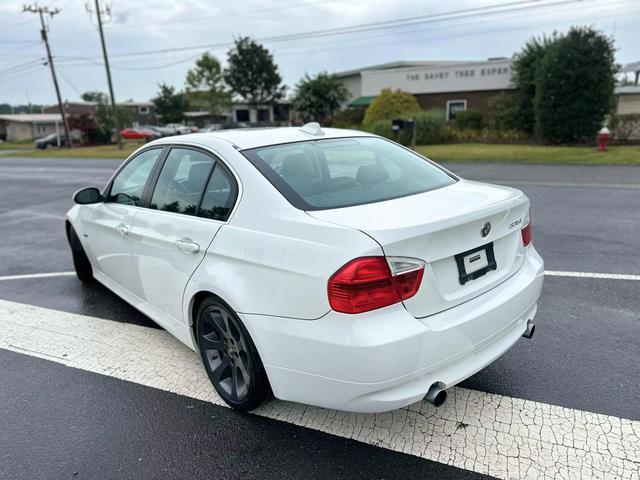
{"x": 230, "y": 357}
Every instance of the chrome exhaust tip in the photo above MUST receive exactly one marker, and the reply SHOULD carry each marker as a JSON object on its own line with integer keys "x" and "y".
{"x": 531, "y": 328}
{"x": 436, "y": 395}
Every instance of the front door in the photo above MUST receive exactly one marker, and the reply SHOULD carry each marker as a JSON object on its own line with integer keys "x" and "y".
{"x": 107, "y": 225}
{"x": 171, "y": 237}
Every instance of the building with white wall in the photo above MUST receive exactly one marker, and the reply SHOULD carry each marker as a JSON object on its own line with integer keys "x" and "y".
{"x": 451, "y": 86}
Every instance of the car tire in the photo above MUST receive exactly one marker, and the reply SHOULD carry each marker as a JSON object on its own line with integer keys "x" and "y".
{"x": 81, "y": 263}
{"x": 230, "y": 357}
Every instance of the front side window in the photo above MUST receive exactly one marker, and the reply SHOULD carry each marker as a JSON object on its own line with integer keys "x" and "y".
{"x": 335, "y": 173}
{"x": 181, "y": 182}
{"x": 128, "y": 185}
{"x": 220, "y": 195}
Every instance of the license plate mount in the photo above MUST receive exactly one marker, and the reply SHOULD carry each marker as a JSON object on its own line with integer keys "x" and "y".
{"x": 475, "y": 263}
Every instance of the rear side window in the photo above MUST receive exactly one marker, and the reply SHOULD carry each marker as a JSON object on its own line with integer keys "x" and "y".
{"x": 335, "y": 173}
{"x": 181, "y": 182}
{"x": 128, "y": 185}
{"x": 220, "y": 195}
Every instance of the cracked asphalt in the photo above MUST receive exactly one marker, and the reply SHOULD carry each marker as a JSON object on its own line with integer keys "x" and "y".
{"x": 100, "y": 402}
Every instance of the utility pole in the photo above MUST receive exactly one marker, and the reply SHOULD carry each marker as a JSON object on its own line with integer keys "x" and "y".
{"x": 41, "y": 11}
{"x": 106, "y": 64}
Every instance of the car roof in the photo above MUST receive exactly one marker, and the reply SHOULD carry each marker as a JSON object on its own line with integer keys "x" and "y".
{"x": 245, "y": 138}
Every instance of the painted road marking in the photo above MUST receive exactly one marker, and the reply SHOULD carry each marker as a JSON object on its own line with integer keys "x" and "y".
{"x": 486, "y": 433}
{"x": 533, "y": 183}
{"x": 36, "y": 275}
{"x": 605, "y": 276}
{"x": 551, "y": 273}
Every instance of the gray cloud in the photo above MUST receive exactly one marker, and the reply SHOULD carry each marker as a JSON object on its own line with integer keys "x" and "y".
{"x": 165, "y": 24}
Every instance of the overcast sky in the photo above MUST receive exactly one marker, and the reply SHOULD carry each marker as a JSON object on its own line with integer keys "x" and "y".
{"x": 137, "y": 26}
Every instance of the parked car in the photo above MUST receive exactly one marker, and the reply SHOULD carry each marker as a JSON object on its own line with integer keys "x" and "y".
{"x": 178, "y": 128}
{"x": 214, "y": 127}
{"x": 136, "y": 134}
{"x": 155, "y": 131}
{"x": 330, "y": 267}
{"x": 165, "y": 131}
{"x": 51, "y": 140}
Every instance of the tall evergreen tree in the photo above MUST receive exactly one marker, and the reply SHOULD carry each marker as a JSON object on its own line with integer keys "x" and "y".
{"x": 252, "y": 73}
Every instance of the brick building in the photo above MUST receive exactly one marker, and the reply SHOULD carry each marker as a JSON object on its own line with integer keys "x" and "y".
{"x": 448, "y": 86}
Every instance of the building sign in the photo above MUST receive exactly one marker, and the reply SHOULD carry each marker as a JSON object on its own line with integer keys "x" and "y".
{"x": 490, "y": 75}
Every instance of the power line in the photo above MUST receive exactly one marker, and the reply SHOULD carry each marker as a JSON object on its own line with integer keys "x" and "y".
{"x": 332, "y": 43}
{"x": 486, "y": 10}
{"x": 41, "y": 11}
{"x": 352, "y": 30}
{"x": 69, "y": 82}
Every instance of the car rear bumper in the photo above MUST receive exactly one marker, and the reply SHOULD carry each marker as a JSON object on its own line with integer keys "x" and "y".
{"x": 386, "y": 359}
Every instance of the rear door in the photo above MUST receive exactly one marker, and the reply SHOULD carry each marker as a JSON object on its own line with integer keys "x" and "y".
{"x": 107, "y": 225}
{"x": 192, "y": 198}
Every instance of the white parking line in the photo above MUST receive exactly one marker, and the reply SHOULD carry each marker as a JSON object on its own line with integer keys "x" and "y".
{"x": 551, "y": 273}
{"x": 527, "y": 183}
{"x": 605, "y": 276}
{"x": 486, "y": 433}
{"x": 36, "y": 275}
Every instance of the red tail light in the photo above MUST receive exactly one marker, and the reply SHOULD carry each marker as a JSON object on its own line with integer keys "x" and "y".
{"x": 527, "y": 233}
{"x": 367, "y": 283}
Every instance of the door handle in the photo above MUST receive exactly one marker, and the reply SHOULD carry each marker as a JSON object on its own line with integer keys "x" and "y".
{"x": 123, "y": 229}
{"x": 188, "y": 246}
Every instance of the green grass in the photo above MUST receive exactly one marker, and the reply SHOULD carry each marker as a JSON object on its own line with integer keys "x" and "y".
{"x": 455, "y": 152}
{"x": 22, "y": 144}
{"x": 100, "y": 151}
{"x": 477, "y": 152}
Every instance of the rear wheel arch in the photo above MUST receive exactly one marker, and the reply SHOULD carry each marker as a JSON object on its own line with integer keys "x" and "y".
{"x": 194, "y": 307}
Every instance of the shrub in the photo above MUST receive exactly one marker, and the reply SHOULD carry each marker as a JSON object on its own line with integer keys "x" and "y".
{"x": 348, "y": 118}
{"x": 384, "y": 129}
{"x": 429, "y": 127}
{"x": 471, "y": 119}
{"x": 625, "y": 126}
{"x": 391, "y": 104}
{"x": 504, "y": 112}
{"x": 485, "y": 135}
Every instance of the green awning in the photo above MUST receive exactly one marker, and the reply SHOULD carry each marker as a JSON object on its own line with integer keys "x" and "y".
{"x": 362, "y": 101}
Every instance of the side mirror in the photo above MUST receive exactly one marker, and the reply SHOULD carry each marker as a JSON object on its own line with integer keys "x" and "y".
{"x": 87, "y": 196}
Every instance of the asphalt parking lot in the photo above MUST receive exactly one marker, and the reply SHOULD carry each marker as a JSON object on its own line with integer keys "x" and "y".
{"x": 90, "y": 388}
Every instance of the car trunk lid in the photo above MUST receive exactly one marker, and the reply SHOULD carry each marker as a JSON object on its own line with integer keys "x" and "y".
{"x": 439, "y": 225}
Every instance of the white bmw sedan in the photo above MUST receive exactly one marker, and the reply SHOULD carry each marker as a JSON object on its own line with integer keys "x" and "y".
{"x": 323, "y": 266}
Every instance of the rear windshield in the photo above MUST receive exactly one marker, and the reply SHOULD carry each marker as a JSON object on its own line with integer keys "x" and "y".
{"x": 335, "y": 173}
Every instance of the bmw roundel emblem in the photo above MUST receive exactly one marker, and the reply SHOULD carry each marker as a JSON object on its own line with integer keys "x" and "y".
{"x": 486, "y": 228}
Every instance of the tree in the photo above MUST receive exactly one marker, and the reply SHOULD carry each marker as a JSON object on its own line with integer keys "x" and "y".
{"x": 390, "y": 104}
{"x": 170, "y": 106}
{"x": 574, "y": 86}
{"x": 85, "y": 123}
{"x": 94, "y": 96}
{"x": 319, "y": 98}
{"x": 525, "y": 71}
{"x": 205, "y": 85}
{"x": 252, "y": 73}
{"x": 505, "y": 111}
{"x": 104, "y": 113}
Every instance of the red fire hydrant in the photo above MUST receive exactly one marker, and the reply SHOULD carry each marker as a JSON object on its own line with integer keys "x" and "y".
{"x": 603, "y": 138}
